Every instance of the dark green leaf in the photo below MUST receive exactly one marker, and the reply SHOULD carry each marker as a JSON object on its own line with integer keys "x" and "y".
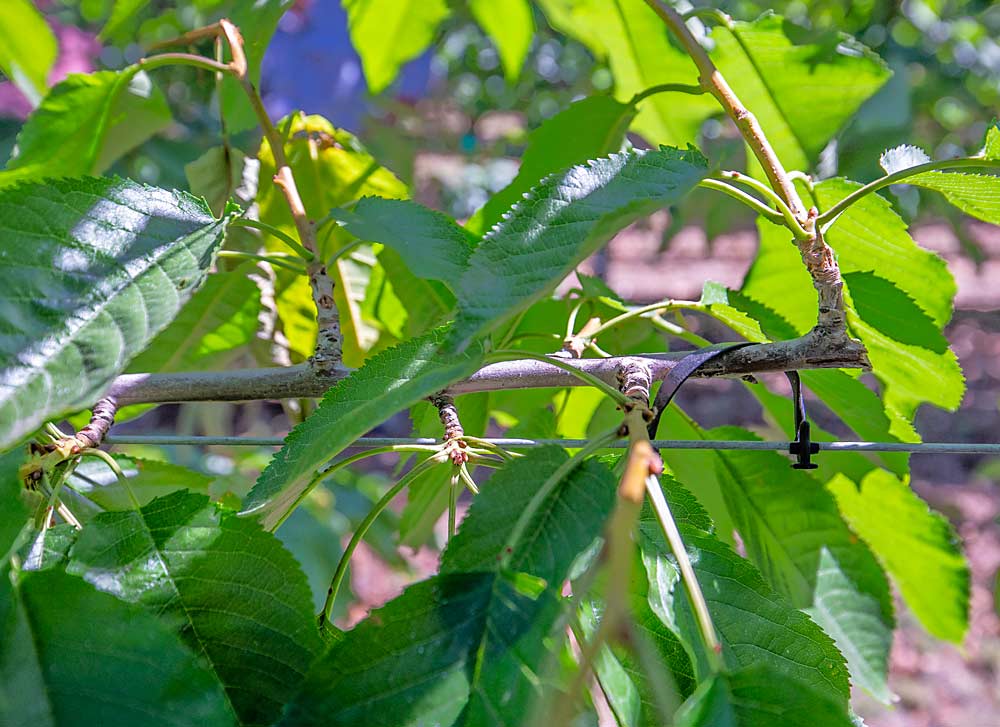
{"x": 231, "y": 590}
{"x": 13, "y": 511}
{"x": 564, "y": 525}
{"x": 71, "y": 655}
{"x": 388, "y": 382}
{"x": 755, "y": 624}
{"x": 917, "y": 546}
{"x": 85, "y": 123}
{"x": 431, "y": 244}
{"x": 794, "y": 534}
{"x": 563, "y": 220}
{"x": 587, "y": 129}
{"x": 884, "y": 306}
{"x": 92, "y": 270}
{"x": 28, "y": 48}
{"x": 760, "y": 696}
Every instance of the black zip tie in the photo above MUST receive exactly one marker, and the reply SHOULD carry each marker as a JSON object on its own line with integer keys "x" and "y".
{"x": 680, "y": 373}
{"x": 803, "y": 447}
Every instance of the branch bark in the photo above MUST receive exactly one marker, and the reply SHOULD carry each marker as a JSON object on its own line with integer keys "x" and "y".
{"x": 817, "y": 349}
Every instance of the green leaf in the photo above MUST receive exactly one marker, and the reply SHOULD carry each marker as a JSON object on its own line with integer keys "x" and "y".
{"x": 587, "y": 129}
{"x": 918, "y": 547}
{"x": 511, "y": 26}
{"x": 991, "y": 144}
{"x": 480, "y": 634}
{"x": 562, "y": 221}
{"x": 13, "y": 511}
{"x": 257, "y": 22}
{"x": 774, "y": 65}
{"x": 87, "y": 122}
{"x": 222, "y": 174}
{"x": 976, "y": 195}
{"x": 121, "y": 15}
{"x": 73, "y": 656}
{"x": 100, "y": 489}
{"x": 388, "y": 33}
{"x": 794, "y": 534}
{"x": 888, "y": 309}
{"x": 331, "y": 169}
{"x": 755, "y": 624}
{"x": 637, "y": 47}
{"x": 28, "y": 48}
{"x": 565, "y": 524}
{"x": 230, "y": 589}
{"x": 92, "y": 270}
{"x": 388, "y": 382}
{"x": 431, "y": 244}
{"x": 220, "y": 317}
{"x": 759, "y": 696}
{"x": 902, "y": 157}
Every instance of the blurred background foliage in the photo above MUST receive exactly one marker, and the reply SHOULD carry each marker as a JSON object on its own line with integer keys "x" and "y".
{"x": 458, "y": 103}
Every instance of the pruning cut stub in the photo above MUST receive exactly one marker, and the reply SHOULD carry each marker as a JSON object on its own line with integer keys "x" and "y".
{"x": 803, "y": 447}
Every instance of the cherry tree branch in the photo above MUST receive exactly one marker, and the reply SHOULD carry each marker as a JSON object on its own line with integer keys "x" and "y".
{"x": 816, "y": 349}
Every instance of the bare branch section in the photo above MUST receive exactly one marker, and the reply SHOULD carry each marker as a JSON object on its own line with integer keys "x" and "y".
{"x": 814, "y": 350}
{"x": 816, "y": 255}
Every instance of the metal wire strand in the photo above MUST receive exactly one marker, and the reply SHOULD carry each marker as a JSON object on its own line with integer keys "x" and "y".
{"x": 370, "y": 442}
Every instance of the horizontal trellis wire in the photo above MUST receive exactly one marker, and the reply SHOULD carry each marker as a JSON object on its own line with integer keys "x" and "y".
{"x": 371, "y": 442}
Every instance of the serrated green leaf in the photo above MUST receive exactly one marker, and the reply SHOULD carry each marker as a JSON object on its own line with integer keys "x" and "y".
{"x": 230, "y": 589}
{"x": 93, "y": 269}
{"x": 49, "y": 549}
{"x": 257, "y": 21}
{"x": 85, "y": 123}
{"x": 773, "y": 64}
{"x": 219, "y": 318}
{"x": 902, "y": 157}
{"x": 28, "y": 48}
{"x": 755, "y": 624}
{"x": 561, "y": 222}
{"x": 794, "y": 534}
{"x": 388, "y": 382}
{"x": 759, "y": 696}
{"x": 426, "y": 303}
{"x": 637, "y": 47}
{"x": 587, "y": 129}
{"x": 871, "y": 237}
{"x": 511, "y": 26}
{"x": 917, "y": 546}
{"x": 493, "y": 656}
{"x": 100, "y": 489}
{"x": 72, "y": 655}
{"x": 331, "y": 169}
{"x": 977, "y": 195}
{"x": 431, "y": 244}
{"x": 388, "y": 33}
{"x": 565, "y": 524}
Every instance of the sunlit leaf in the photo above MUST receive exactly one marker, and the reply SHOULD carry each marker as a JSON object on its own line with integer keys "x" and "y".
{"x": 917, "y": 546}
{"x": 28, "y": 48}
{"x": 93, "y": 269}
{"x": 902, "y": 157}
{"x": 511, "y": 26}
